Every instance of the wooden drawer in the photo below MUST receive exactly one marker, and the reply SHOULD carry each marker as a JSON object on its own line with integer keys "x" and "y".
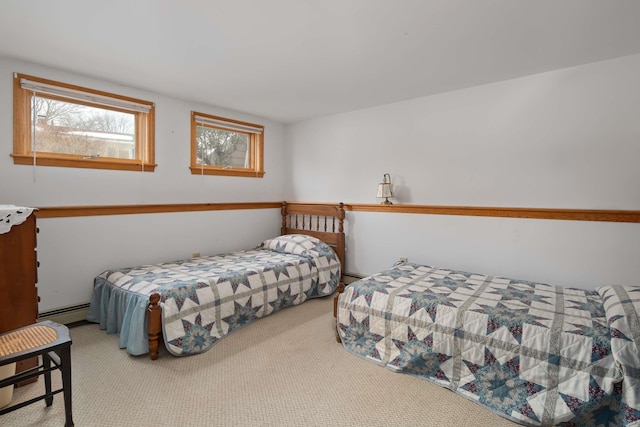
{"x": 18, "y": 277}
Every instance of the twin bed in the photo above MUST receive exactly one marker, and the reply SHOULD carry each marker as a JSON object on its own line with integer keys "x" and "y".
{"x": 191, "y": 304}
{"x": 534, "y": 353}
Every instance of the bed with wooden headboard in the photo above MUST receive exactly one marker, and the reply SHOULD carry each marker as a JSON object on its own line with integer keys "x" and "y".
{"x": 323, "y": 221}
{"x": 191, "y": 304}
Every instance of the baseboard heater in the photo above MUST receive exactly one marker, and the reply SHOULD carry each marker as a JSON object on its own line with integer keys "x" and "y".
{"x": 66, "y": 315}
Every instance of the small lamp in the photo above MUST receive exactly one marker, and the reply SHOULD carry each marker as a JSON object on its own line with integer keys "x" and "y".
{"x": 384, "y": 189}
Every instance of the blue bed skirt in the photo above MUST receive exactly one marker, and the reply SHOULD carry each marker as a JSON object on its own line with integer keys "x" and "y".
{"x": 121, "y": 312}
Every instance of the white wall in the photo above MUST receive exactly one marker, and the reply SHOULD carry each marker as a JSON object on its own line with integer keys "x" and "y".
{"x": 73, "y": 250}
{"x": 568, "y": 138}
{"x": 172, "y": 181}
{"x": 563, "y": 139}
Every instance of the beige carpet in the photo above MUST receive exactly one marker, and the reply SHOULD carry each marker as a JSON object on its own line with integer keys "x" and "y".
{"x": 284, "y": 370}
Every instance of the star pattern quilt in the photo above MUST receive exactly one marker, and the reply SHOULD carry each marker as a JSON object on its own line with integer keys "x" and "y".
{"x": 534, "y": 353}
{"x": 205, "y": 299}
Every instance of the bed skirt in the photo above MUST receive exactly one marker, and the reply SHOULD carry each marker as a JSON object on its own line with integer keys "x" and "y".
{"x": 121, "y": 312}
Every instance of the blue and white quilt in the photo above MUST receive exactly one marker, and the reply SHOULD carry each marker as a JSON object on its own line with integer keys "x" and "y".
{"x": 534, "y": 353}
{"x": 205, "y": 299}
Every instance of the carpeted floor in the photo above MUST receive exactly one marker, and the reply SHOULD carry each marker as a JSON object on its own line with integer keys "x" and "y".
{"x": 284, "y": 370}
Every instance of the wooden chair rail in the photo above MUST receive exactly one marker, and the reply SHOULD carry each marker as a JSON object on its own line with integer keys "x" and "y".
{"x": 71, "y": 211}
{"x": 607, "y": 215}
{"x": 506, "y": 212}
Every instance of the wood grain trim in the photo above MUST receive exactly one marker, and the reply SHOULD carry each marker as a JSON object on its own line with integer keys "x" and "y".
{"x": 322, "y": 209}
{"x": 72, "y": 211}
{"x": 536, "y": 213}
{"x": 22, "y": 149}
{"x": 209, "y": 170}
{"x": 75, "y": 162}
{"x": 255, "y": 148}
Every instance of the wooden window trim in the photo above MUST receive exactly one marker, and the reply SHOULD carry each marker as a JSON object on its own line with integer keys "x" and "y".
{"x": 23, "y": 153}
{"x": 255, "y": 149}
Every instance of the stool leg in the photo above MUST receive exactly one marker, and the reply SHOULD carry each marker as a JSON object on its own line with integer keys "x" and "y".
{"x": 46, "y": 363}
{"x": 65, "y": 361}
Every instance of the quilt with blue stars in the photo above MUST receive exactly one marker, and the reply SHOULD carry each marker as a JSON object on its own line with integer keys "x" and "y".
{"x": 534, "y": 353}
{"x": 204, "y": 299}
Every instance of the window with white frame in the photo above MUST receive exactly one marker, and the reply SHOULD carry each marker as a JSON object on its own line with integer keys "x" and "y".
{"x": 221, "y": 146}
{"x": 58, "y": 124}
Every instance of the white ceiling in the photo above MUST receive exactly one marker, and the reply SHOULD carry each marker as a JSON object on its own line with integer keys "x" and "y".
{"x": 290, "y": 60}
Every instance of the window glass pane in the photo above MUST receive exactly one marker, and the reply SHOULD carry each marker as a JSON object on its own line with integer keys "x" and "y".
{"x": 70, "y": 128}
{"x": 224, "y": 148}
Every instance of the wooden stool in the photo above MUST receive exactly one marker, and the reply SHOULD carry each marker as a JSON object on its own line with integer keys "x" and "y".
{"x": 49, "y": 340}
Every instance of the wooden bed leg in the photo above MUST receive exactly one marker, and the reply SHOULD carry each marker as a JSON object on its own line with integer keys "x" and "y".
{"x": 154, "y": 324}
{"x": 340, "y": 290}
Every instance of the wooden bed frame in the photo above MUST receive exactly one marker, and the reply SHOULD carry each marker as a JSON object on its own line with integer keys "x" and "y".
{"x": 317, "y": 220}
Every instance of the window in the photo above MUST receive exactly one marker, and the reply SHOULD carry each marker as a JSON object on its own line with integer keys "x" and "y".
{"x": 57, "y": 124}
{"x": 222, "y": 146}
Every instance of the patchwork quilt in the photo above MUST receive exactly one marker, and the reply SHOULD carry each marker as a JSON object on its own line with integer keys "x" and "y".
{"x": 534, "y": 353}
{"x": 205, "y": 299}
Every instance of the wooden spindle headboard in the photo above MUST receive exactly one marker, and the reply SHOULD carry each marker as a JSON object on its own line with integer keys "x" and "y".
{"x": 321, "y": 220}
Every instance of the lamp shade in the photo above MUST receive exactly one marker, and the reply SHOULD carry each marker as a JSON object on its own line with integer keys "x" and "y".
{"x": 384, "y": 190}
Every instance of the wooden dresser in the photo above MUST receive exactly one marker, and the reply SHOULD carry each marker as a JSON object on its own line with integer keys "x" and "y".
{"x": 18, "y": 277}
